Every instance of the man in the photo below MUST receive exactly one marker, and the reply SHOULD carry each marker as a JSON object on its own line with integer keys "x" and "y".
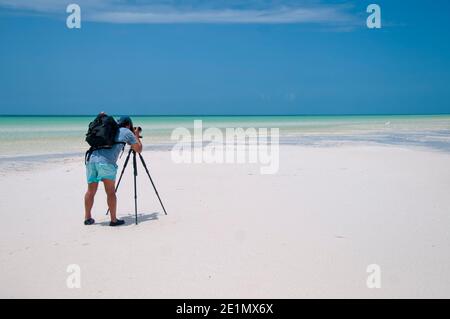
{"x": 102, "y": 167}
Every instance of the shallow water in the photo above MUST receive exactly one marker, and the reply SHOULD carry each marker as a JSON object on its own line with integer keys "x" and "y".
{"x": 34, "y": 138}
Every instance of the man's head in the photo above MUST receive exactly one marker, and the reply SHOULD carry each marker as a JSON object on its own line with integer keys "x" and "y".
{"x": 125, "y": 121}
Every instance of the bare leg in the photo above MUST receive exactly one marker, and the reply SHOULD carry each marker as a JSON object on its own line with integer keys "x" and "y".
{"x": 89, "y": 200}
{"x": 111, "y": 196}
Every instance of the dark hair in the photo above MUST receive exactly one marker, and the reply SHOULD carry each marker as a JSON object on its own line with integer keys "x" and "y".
{"x": 125, "y": 121}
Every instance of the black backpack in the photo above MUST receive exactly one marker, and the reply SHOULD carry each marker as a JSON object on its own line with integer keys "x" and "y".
{"x": 101, "y": 134}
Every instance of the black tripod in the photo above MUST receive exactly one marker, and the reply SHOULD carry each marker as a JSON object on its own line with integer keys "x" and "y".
{"x": 135, "y": 173}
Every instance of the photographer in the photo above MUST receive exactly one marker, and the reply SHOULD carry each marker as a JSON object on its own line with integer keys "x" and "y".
{"x": 102, "y": 167}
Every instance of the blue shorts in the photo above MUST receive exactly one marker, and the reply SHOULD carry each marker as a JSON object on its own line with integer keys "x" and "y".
{"x": 96, "y": 172}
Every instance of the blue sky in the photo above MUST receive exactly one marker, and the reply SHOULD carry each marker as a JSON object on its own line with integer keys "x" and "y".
{"x": 224, "y": 57}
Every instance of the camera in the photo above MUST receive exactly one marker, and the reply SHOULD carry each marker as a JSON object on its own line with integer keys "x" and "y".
{"x": 138, "y": 129}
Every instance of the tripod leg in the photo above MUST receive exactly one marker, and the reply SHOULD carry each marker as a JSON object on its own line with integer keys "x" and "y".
{"x": 153, "y": 184}
{"x": 121, "y": 174}
{"x": 135, "y": 186}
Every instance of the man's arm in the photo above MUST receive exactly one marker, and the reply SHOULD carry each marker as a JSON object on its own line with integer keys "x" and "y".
{"x": 137, "y": 147}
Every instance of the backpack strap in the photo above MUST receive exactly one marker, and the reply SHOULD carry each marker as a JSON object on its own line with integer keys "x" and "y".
{"x": 87, "y": 155}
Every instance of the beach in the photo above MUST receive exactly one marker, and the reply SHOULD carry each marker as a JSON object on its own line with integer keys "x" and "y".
{"x": 309, "y": 231}
{"x": 260, "y": 150}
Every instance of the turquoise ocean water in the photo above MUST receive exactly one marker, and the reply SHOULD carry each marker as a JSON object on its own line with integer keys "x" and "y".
{"x": 41, "y": 137}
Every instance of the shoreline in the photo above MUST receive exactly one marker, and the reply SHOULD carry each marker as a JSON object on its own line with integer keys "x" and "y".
{"x": 312, "y": 141}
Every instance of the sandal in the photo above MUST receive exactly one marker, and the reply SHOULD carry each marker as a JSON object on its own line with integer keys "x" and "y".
{"x": 89, "y": 221}
{"x": 117, "y": 223}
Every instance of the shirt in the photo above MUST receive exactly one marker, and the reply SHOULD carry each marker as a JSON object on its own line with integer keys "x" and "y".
{"x": 111, "y": 155}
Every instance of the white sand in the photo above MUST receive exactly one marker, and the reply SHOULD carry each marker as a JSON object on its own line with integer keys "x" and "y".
{"x": 309, "y": 231}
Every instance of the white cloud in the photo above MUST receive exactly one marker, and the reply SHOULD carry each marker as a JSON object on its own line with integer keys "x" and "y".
{"x": 194, "y": 11}
{"x": 275, "y": 15}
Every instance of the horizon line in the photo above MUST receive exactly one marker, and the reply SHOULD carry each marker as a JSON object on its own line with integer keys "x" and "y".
{"x": 224, "y": 115}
